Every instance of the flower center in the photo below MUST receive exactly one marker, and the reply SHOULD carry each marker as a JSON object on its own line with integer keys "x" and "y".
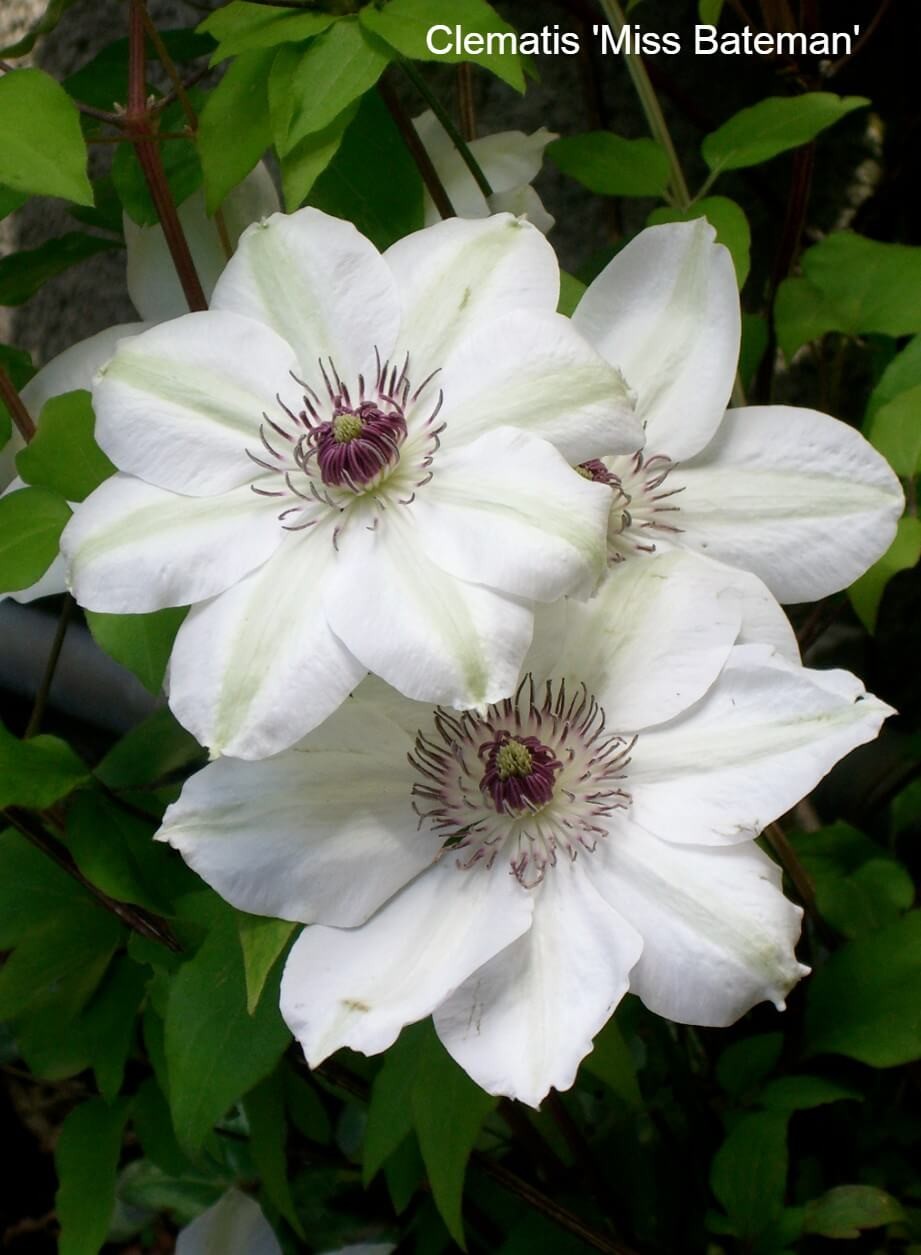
{"x": 526, "y": 780}
{"x": 373, "y": 441}
{"x": 637, "y": 507}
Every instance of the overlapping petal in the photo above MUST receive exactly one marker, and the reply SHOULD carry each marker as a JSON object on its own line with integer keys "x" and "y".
{"x": 180, "y": 405}
{"x": 523, "y": 1022}
{"x": 509, "y": 512}
{"x": 256, "y": 669}
{"x": 132, "y": 547}
{"x": 761, "y": 738}
{"x": 359, "y": 987}
{"x": 533, "y": 371}
{"x": 434, "y": 637}
{"x": 245, "y": 832}
{"x": 234, "y": 1225}
{"x": 320, "y": 285}
{"x": 797, "y": 497}
{"x": 718, "y": 934}
{"x": 665, "y": 311}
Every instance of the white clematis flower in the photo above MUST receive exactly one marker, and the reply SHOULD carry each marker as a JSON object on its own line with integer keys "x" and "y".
{"x": 795, "y": 497}
{"x": 510, "y": 160}
{"x": 351, "y": 463}
{"x": 517, "y": 868}
{"x": 156, "y": 295}
{"x": 234, "y": 1225}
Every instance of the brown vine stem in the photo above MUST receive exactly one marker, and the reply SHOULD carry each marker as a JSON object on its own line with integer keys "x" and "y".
{"x": 423, "y": 161}
{"x": 138, "y": 123}
{"x": 465, "y": 104}
{"x": 145, "y": 923}
{"x": 799, "y": 877}
{"x": 14, "y": 403}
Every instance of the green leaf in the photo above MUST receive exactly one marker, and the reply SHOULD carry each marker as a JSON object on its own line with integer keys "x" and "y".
{"x": 31, "y": 522}
{"x": 726, "y": 218}
{"x": 86, "y": 1158}
{"x": 240, "y": 27}
{"x": 404, "y": 24}
{"x": 140, "y": 642}
{"x": 902, "y": 373}
{"x": 749, "y": 1173}
{"x": 262, "y": 941}
{"x": 895, "y": 430}
{"x": 390, "y": 1118}
{"x": 43, "y": 151}
{"x": 351, "y": 186}
{"x": 744, "y": 1065}
{"x": 801, "y": 1093}
{"x": 303, "y": 165}
{"x": 265, "y": 1114}
{"x": 215, "y": 1050}
{"x": 22, "y": 274}
{"x": 33, "y": 889}
{"x": 774, "y": 126}
{"x": 867, "y": 899}
{"x": 10, "y": 201}
{"x": 309, "y": 88}
{"x": 754, "y": 346}
{"x": 571, "y": 292}
{"x": 37, "y": 772}
{"x": 852, "y": 285}
{"x": 108, "y": 1024}
{"x": 448, "y": 1113}
{"x": 63, "y": 455}
{"x": 847, "y": 1209}
{"x": 65, "y": 958}
{"x": 238, "y": 106}
{"x": 612, "y": 166}
{"x": 865, "y": 1002}
{"x": 117, "y": 852}
{"x": 866, "y": 593}
{"x": 155, "y": 748}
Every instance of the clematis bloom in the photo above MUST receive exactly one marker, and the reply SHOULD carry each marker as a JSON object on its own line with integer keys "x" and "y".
{"x": 517, "y": 868}
{"x": 795, "y": 497}
{"x": 351, "y": 463}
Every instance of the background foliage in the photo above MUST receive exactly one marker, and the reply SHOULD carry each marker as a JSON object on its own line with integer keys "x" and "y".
{"x": 145, "y": 1068}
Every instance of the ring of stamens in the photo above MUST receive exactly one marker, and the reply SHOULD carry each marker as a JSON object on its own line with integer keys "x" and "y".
{"x": 529, "y": 779}
{"x": 354, "y": 444}
{"x": 637, "y": 504}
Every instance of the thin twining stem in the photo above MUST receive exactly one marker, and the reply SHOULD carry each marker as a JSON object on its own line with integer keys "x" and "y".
{"x": 447, "y": 122}
{"x": 430, "y": 177}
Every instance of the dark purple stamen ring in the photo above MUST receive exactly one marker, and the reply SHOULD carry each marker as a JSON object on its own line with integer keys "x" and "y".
{"x": 352, "y": 454}
{"x": 522, "y": 788}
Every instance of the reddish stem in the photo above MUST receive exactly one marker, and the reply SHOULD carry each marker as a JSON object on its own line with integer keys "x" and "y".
{"x": 18, "y": 412}
{"x": 137, "y": 121}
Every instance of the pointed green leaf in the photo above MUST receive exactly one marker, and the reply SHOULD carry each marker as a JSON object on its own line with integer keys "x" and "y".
{"x": 262, "y": 940}
{"x": 140, "y": 642}
{"x": 610, "y": 165}
{"x": 846, "y": 1210}
{"x": 86, "y": 1158}
{"x": 43, "y": 151}
{"x": 866, "y": 593}
{"x": 749, "y": 1173}
{"x": 774, "y": 126}
{"x": 31, "y": 522}
{"x": 239, "y": 27}
{"x": 265, "y": 1113}
{"x": 239, "y": 105}
{"x": 37, "y": 772}
{"x": 64, "y": 455}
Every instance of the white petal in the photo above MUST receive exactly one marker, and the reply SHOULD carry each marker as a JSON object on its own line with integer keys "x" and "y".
{"x": 509, "y": 512}
{"x": 358, "y": 987}
{"x": 797, "y": 497}
{"x": 524, "y": 1021}
{"x": 465, "y": 196}
{"x": 524, "y": 202}
{"x": 320, "y": 284}
{"x": 762, "y": 738}
{"x": 511, "y": 159}
{"x": 180, "y": 405}
{"x": 324, "y": 832}
{"x": 459, "y": 274}
{"x": 763, "y": 619}
{"x": 665, "y": 311}
{"x": 535, "y": 372}
{"x": 153, "y": 285}
{"x": 718, "y": 934}
{"x": 433, "y": 637}
{"x": 235, "y": 1225}
{"x": 133, "y": 548}
{"x": 255, "y": 669}
{"x": 648, "y": 644}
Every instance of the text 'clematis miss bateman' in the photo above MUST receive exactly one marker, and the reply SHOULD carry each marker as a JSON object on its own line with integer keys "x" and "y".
{"x": 793, "y": 496}
{"x": 517, "y": 868}
{"x": 351, "y": 463}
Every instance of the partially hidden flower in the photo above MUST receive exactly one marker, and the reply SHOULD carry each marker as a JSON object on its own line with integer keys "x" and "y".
{"x": 156, "y": 295}
{"x": 353, "y": 462}
{"x": 797, "y": 498}
{"x": 517, "y": 868}
{"x": 234, "y": 1225}
{"x": 510, "y": 160}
